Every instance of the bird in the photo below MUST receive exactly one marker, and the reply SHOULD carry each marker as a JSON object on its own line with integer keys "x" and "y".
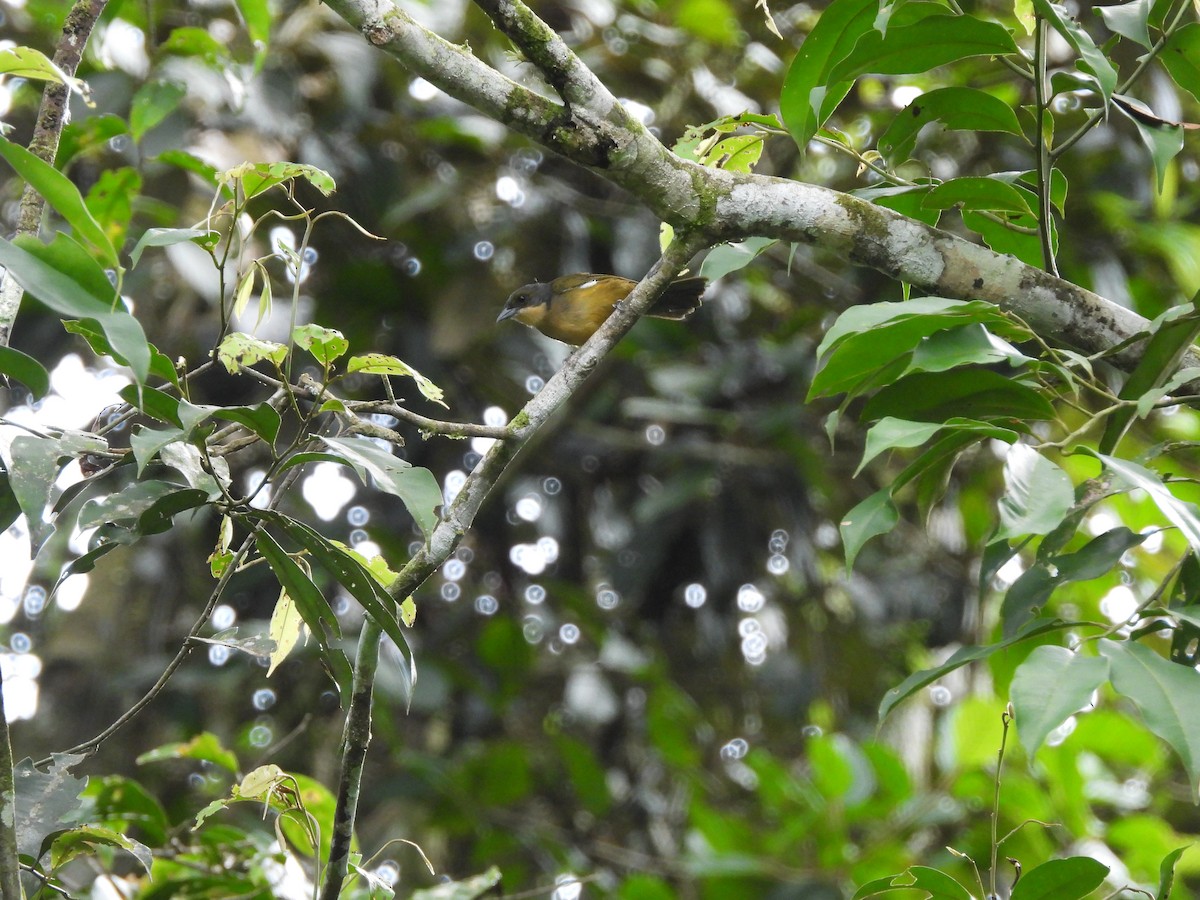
{"x": 570, "y": 308}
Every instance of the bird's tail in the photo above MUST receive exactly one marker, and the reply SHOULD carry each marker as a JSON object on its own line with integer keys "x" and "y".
{"x": 679, "y": 300}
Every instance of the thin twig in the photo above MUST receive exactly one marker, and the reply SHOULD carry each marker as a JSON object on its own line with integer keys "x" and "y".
{"x": 1045, "y": 166}
{"x": 91, "y": 746}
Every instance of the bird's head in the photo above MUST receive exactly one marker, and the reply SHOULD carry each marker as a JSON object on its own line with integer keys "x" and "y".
{"x": 528, "y": 304}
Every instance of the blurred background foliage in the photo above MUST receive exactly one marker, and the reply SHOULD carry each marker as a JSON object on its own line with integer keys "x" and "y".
{"x": 647, "y": 665}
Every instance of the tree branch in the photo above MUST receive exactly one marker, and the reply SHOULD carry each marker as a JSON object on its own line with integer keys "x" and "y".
{"x": 457, "y": 518}
{"x": 574, "y": 82}
{"x": 356, "y": 735}
{"x": 52, "y": 115}
{"x": 728, "y": 207}
{"x": 10, "y": 868}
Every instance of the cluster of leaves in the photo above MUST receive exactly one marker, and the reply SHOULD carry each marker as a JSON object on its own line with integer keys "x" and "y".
{"x": 949, "y": 376}
{"x": 65, "y": 817}
{"x": 177, "y": 462}
{"x": 1012, "y": 211}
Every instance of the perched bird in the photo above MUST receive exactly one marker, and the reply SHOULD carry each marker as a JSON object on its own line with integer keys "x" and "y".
{"x": 571, "y": 308}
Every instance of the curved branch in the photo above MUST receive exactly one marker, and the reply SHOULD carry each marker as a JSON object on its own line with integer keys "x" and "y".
{"x": 730, "y": 207}
{"x": 570, "y": 78}
{"x": 457, "y": 518}
{"x": 926, "y": 257}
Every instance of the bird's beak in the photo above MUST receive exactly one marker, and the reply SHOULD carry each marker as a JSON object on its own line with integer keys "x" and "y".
{"x": 507, "y": 313}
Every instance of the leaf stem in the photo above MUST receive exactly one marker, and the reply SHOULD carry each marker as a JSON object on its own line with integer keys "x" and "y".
{"x": 1045, "y": 165}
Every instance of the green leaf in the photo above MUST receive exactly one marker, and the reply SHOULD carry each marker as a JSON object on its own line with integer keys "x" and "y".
{"x": 697, "y": 137}
{"x": 975, "y": 193}
{"x": 738, "y": 153}
{"x": 710, "y": 20}
{"x": 936, "y": 884}
{"x": 913, "y": 683}
{"x": 188, "y": 162}
{"x": 165, "y": 237}
{"x": 34, "y": 466}
{"x": 726, "y": 258}
{"x": 355, "y": 578}
{"x": 416, "y": 487}
{"x": 955, "y": 108}
{"x": 931, "y": 470}
{"x": 62, "y": 196}
{"x": 111, "y": 200}
{"x": 1181, "y": 57}
{"x": 82, "y": 840}
{"x": 25, "y": 369}
{"x": 204, "y": 747}
{"x": 472, "y": 888}
{"x": 808, "y": 97}
{"x": 65, "y": 279}
{"x": 90, "y": 135}
{"x": 191, "y": 41}
{"x": 46, "y": 798}
{"x": 1165, "y": 694}
{"x": 935, "y": 313}
{"x": 965, "y": 346}
{"x": 325, "y": 344}
{"x": 1163, "y": 139}
{"x": 90, "y": 331}
{"x": 864, "y": 340}
{"x": 1092, "y": 60}
{"x": 9, "y": 507}
{"x": 1129, "y": 20}
{"x": 146, "y": 507}
{"x": 26, "y": 62}
{"x": 257, "y": 16}
{"x": 1166, "y": 873}
{"x": 154, "y": 403}
{"x": 925, "y": 44}
{"x": 874, "y": 516}
{"x": 1182, "y": 515}
{"x": 890, "y": 434}
{"x": 1024, "y": 245}
{"x": 1049, "y": 686}
{"x": 259, "y": 177}
{"x": 263, "y": 419}
{"x": 1061, "y": 879}
{"x": 1038, "y": 494}
{"x": 909, "y": 201}
{"x": 1172, "y": 337}
{"x": 383, "y": 364}
{"x": 1099, "y": 556}
{"x": 239, "y": 349}
{"x": 146, "y": 443}
{"x": 1147, "y": 401}
{"x": 968, "y": 393}
{"x": 122, "y": 804}
{"x": 154, "y": 101}
{"x": 313, "y": 607}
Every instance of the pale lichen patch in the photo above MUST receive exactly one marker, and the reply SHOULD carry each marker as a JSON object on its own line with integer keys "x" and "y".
{"x": 920, "y": 260}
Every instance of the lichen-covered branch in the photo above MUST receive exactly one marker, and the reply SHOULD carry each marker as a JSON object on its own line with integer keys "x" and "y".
{"x": 52, "y": 116}
{"x": 725, "y": 206}
{"x": 356, "y": 735}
